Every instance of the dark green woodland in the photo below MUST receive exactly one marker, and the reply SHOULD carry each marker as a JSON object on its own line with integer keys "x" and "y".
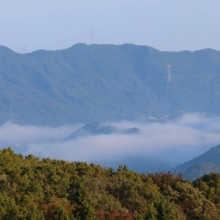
{"x": 33, "y": 188}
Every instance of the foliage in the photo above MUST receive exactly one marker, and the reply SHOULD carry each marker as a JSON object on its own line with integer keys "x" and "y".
{"x": 31, "y": 188}
{"x": 210, "y": 186}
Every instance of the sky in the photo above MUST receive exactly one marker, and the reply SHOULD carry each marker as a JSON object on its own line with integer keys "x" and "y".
{"x": 158, "y": 146}
{"x": 171, "y": 25}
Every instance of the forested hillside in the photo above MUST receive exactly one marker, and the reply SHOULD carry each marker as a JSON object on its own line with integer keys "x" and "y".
{"x": 206, "y": 163}
{"x": 87, "y": 83}
{"x": 31, "y": 188}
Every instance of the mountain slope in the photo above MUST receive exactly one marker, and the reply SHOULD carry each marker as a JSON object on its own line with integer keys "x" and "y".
{"x": 203, "y": 164}
{"x": 87, "y": 83}
{"x": 200, "y": 170}
{"x": 96, "y": 128}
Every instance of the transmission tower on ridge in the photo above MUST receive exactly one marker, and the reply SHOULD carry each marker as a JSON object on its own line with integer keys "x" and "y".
{"x": 169, "y": 73}
{"x": 91, "y": 35}
{"x": 24, "y": 49}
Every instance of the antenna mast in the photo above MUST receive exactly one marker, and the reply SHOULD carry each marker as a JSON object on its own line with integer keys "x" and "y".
{"x": 91, "y": 35}
{"x": 169, "y": 73}
{"x": 24, "y": 49}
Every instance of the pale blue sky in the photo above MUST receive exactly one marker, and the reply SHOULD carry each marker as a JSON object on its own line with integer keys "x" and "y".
{"x": 168, "y": 25}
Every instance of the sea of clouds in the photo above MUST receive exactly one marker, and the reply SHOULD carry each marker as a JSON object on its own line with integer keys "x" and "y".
{"x": 158, "y": 145}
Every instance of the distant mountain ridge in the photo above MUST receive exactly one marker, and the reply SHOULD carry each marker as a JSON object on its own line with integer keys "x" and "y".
{"x": 203, "y": 164}
{"x": 96, "y": 128}
{"x": 200, "y": 170}
{"x": 87, "y": 83}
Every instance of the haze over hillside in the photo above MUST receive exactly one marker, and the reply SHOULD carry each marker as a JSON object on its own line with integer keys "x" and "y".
{"x": 154, "y": 146}
{"x": 206, "y": 163}
{"x": 88, "y": 83}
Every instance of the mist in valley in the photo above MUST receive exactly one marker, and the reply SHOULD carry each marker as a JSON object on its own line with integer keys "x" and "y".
{"x": 157, "y": 145}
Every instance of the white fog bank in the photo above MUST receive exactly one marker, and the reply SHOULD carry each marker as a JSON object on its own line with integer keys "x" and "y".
{"x": 157, "y": 146}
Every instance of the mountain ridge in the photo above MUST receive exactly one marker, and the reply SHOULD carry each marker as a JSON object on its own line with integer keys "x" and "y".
{"x": 96, "y": 128}
{"x": 205, "y": 163}
{"x": 197, "y": 171}
{"x": 125, "y": 82}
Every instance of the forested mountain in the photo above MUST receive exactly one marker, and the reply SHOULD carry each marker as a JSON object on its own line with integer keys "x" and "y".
{"x": 197, "y": 171}
{"x": 87, "y": 83}
{"x": 203, "y": 164}
{"x": 31, "y": 188}
{"x": 96, "y": 128}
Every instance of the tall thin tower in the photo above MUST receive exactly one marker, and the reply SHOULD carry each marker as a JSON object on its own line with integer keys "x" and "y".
{"x": 91, "y": 35}
{"x": 24, "y": 49}
{"x": 169, "y": 73}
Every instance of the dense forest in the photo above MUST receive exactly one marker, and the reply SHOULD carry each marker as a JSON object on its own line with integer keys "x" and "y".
{"x": 33, "y": 188}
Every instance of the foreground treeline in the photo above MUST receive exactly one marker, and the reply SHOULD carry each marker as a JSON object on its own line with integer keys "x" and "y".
{"x": 31, "y": 188}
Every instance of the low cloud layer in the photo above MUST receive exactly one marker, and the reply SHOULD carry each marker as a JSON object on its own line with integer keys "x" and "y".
{"x": 158, "y": 146}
